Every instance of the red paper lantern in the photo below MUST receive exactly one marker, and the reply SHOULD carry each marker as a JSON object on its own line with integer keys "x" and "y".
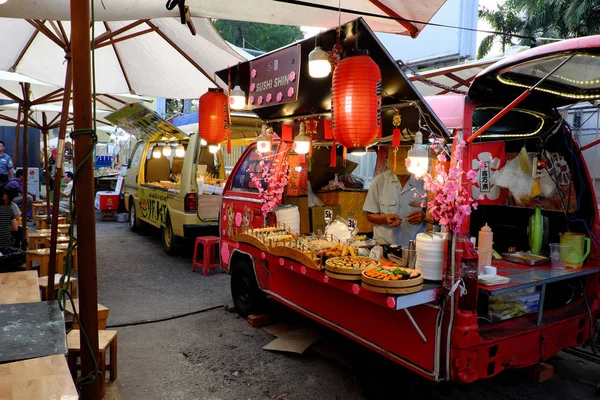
{"x": 356, "y": 101}
{"x": 213, "y": 118}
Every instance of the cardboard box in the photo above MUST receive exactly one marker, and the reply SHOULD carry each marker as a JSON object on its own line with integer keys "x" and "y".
{"x": 302, "y": 203}
{"x": 351, "y": 206}
{"x": 317, "y": 217}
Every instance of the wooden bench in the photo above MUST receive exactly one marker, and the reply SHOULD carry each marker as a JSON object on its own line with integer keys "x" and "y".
{"x": 107, "y": 340}
{"x": 43, "y": 284}
{"x": 65, "y": 247}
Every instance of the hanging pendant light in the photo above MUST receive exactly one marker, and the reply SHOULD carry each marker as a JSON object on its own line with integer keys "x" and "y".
{"x": 356, "y": 101}
{"x": 318, "y": 62}
{"x": 418, "y": 157}
{"x": 166, "y": 151}
{"x": 302, "y": 142}
{"x": 263, "y": 143}
{"x": 180, "y": 151}
{"x": 214, "y": 148}
{"x": 237, "y": 98}
{"x": 358, "y": 151}
{"x": 156, "y": 153}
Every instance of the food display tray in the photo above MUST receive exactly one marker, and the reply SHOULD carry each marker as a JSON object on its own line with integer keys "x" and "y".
{"x": 520, "y": 257}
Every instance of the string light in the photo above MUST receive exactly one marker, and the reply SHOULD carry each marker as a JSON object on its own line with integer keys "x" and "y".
{"x": 507, "y": 81}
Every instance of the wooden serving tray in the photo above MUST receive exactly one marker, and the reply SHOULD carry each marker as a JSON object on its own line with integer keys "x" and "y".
{"x": 388, "y": 290}
{"x": 249, "y": 239}
{"x": 343, "y": 277}
{"x": 296, "y": 255}
{"x": 345, "y": 271}
{"x": 392, "y": 284}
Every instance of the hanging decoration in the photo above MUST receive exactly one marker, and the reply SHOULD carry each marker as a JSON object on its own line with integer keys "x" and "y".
{"x": 270, "y": 183}
{"x": 396, "y": 121}
{"x": 213, "y": 116}
{"x": 333, "y": 155}
{"x": 356, "y": 100}
{"x": 335, "y": 54}
{"x": 311, "y": 131}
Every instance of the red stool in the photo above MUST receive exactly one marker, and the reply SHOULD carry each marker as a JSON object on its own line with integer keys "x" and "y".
{"x": 210, "y": 250}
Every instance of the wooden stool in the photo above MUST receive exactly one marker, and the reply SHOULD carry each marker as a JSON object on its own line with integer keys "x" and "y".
{"x": 37, "y": 240}
{"x": 43, "y": 257}
{"x": 106, "y": 340}
{"x": 43, "y": 282}
{"x": 38, "y": 206}
{"x": 210, "y": 250}
{"x": 59, "y": 240}
{"x": 65, "y": 246}
{"x": 108, "y": 215}
{"x": 41, "y": 221}
{"x": 102, "y": 314}
{"x": 64, "y": 228}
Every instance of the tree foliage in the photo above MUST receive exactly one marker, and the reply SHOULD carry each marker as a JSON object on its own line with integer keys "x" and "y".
{"x": 505, "y": 20}
{"x": 252, "y": 35}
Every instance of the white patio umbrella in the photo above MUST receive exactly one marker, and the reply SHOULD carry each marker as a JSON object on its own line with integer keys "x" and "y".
{"x": 381, "y": 15}
{"x": 148, "y": 57}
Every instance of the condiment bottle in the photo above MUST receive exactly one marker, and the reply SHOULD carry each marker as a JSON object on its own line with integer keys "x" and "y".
{"x": 485, "y": 242}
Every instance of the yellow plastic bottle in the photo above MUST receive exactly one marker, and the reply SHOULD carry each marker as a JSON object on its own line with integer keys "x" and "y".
{"x": 484, "y": 243}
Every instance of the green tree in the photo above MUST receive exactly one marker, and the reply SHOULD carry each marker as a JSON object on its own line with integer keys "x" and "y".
{"x": 506, "y": 20}
{"x": 252, "y": 35}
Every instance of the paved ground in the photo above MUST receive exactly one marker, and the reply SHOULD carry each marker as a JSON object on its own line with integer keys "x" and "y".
{"x": 215, "y": 355}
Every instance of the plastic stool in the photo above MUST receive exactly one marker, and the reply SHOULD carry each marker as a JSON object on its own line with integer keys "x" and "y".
{"x": 210, "y": 249}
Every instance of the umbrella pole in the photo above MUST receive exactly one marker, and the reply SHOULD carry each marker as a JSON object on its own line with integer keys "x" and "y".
{"x": 84, "y": 188}
{"x": 45, "y": 133}
{"x": 24, "y": 204}
{"x": 17, "y": 135}
{"x": 60, "y": 153}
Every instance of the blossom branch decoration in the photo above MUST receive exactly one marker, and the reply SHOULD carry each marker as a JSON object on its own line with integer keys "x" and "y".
{"x": 270, "y": 181}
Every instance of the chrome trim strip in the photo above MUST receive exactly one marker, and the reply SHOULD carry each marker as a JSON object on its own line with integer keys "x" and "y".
{"x": 242, "y": 199}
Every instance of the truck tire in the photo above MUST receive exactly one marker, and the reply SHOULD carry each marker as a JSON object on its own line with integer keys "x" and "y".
{"x": 247, "y": 297}
{"x": 134, "y": 222}
{"x": 168, "y": 238}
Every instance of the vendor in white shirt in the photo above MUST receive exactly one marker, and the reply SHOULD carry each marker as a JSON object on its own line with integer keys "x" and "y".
{"x": 65, "y": 202}
{"x": 391, "y": 204}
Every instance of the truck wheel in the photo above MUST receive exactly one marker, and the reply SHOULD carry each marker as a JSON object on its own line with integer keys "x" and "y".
{"x": 168, "y": 238}
{"x": 247, "y": 297}
{"x": 134, "y": 222}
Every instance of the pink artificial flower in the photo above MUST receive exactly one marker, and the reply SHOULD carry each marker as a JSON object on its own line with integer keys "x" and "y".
{"x": 481, "y": 197}
{"x": 471, "y": 175}
{"x": 442, "y": 157}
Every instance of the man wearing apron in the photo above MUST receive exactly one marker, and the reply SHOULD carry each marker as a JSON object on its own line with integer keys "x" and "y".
{"x": 391, "y": 204}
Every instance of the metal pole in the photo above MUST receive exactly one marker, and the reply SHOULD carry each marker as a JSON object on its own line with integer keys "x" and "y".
{"x": 518, "y": 100}
{"x": 26, "y": 95}
{"x": 84, "y": 189}
{"x": 17, "y": 134}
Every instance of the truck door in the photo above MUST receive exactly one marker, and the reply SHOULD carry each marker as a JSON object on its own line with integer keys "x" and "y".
{"x": 133, "y": 170}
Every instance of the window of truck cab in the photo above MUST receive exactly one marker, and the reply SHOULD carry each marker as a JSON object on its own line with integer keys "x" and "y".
{"x": 251, "y": 164}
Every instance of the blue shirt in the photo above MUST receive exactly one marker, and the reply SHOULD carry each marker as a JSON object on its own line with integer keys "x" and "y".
{"x": 5, "y": 164}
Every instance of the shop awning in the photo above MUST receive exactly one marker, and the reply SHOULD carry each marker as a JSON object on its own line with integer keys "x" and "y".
{"x": 314, "y": 95}
{"x": 391, "y": 16}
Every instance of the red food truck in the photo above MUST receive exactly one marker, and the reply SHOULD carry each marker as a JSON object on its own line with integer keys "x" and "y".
{"x": 454, "y": 334}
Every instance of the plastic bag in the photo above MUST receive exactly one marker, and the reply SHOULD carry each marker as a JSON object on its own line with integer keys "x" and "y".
{"x": 516, "y": 176}
{"x": 313, "y": 199}
{"x": 547, "y": 186}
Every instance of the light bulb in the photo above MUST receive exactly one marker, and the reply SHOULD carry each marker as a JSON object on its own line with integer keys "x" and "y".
{"x": 214, "y": 148}
{"x": 418, "y": 156}
{"x": 3, "y": 1}
{"x": 166, "y": 151}
{"x": 156, "y": 153}
{"x": 302, "y": 142}
{"x": 318, "y": 63}
{"x": 237, "y": 98}
{"x": 180, "y": 151}
{"x": 298, "y": 168}
{"x": 358, "y": 151}
{"x": 263, "y": 144}
{"x": 203, "y": 142}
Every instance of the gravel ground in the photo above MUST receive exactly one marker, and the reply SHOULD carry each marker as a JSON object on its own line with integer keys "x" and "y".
{"x": 215, "y": 355}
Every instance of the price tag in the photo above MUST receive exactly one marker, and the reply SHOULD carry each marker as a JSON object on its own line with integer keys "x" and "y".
{"x": 328, "y": 215}
{"x": 352, "y": 225}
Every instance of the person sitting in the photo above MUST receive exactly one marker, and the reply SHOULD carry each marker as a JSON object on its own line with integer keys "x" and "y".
{"x": 17, "y": 184}
{"x": 8, "y": 199}
{"x": 65, "y": 202}
{"x": 11, "y": 258}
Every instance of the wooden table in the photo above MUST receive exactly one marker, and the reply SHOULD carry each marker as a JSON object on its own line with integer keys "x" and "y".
{"x": 43, "y": 285}
{"x": 19, "y": 287}
{"x": 31, "y": 330}
{"x": 41, "y": 221}
{"x": 37, "y": 239}
{"x": 102, "y": 314}
{"x": 36, "y": 207}
{"x": 37, "y": 379}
